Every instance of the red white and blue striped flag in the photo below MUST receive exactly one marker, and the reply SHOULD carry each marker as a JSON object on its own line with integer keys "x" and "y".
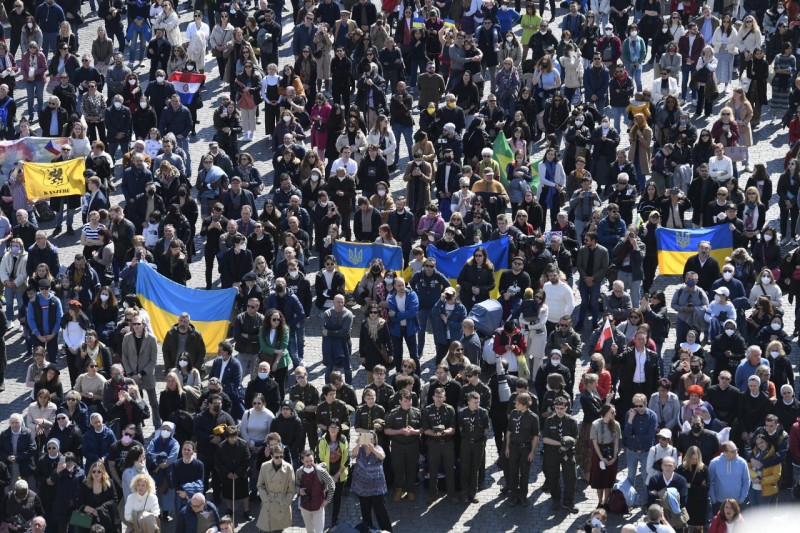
{"x": 186, "y": 84}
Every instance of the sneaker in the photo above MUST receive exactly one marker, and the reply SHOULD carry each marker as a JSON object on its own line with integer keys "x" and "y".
{"x": 70, "y": 231}
{"x": 56, "y": 232}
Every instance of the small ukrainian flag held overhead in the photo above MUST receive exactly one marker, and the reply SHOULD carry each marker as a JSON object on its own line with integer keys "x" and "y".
{"x": 676, "y": 246}
{"x": 164, "y": 300}
{"x": 354, "y": 259}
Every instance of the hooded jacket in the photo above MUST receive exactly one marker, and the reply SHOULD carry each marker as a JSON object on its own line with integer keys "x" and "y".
{"x": 729, "y": 479}
{"x": 291, "y": 431}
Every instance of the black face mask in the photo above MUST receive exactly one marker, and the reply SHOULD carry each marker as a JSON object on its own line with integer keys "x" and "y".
{"x": 697, "y": 428}
{"x": 695, "y": 369}
{"x": 151, "y": 192}
{"x": 181, "y": 193}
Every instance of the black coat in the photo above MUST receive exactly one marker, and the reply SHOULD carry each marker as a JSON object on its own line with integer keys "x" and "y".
{"x": 652, "y": 372}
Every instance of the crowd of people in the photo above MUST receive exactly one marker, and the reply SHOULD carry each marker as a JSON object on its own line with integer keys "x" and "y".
{"x": 705, "y": 428}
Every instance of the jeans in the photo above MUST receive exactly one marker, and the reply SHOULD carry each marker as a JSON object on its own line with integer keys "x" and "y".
{"x": 119, "y": 33}
{"x": 681, "y": 329}
{"x": 297, "y": 338}
{"x": 617, "y": 114}
{"x": 51, "y": 347}
{"x": 11, "y": 294}
{"x": 137, "y": 51}
{"x": 509, "y": 104}
{"x": 686, "y": 73}
{"x": 49, "y": 41}
{"x": 636, "y": 74}
{"x": 417, "y": 65}
{"x": 634, "y": 287}
{"x": 633, "y": 459}
{"x": 183, "y": 142}
{"x": 123, "y": 144}
{"x": 60, "y": 215}
{"x": 758, "y": 499}
{"x": 422, "y": 317}
{"x": 249, "y": 362}
{"x": 407, "y": 132}
{"x": 35, "y": 88}
{"x": 590, "y": 298}
{"x": 397, "y": 348}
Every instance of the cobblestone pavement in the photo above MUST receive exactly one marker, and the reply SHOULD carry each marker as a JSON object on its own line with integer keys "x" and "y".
{"x": 492, "y": 513}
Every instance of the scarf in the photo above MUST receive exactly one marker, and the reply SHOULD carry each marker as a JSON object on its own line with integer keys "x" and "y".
{"x": 373, "y": 325}
{"x": 120, "y": 386}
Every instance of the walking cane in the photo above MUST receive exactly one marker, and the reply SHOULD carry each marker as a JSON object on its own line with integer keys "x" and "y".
{"x": 233, "y": 504}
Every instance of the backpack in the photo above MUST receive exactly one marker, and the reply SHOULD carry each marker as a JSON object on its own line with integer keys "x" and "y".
{"x": 617, "y": 503}
{"x": 4, "y": 115}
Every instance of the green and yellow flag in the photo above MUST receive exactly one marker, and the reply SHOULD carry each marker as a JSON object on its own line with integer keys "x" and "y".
{"x": 502, "y": 153}
{"x": 50, "y": 180}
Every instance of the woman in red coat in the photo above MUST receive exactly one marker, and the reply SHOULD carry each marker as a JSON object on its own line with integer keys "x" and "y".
{"x": 729, "y": 513}
{"x": 319, "y": 124}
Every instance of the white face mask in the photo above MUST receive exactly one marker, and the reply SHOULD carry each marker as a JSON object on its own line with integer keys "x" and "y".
{"x": 165, "y": 434}
{"x": 190, "y": 67}
{"x": 775, "y": 326}
{"x": 287, "y": 119}
{"x": 263, "y": 375}
{"x": 718, "y": 299}
{"x": 30, "y": 25}
{"x": 634, "y": 34}
{"x": 765, "y": 280}
{"x": 579, "y": 123}
{"x": 381, "y": 192}
{"x": 609, "y": 32}
{"x": 132, "y": 82}
{"x": 774, "y": 354}
{"x": 104, "y": 297}
{"x": 314, "y": 177}
{"x": 308, "y": 469}
{"x": 730, "y": 332}
{"x": 727, "y": 276}
{"x": 160, "y": 79}
{"x": 767, "y": 237}
{"x": 294, "y": 273}
{"x": 183, "y": 364}
{"x": 605, "y": 124}
{"x": 143, "y": 105}
{"x": 117, "y": 105}
{"x": 504, "y": 8}
{"x": 510, "y": 39}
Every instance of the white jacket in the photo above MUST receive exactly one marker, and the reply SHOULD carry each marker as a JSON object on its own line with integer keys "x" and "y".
{"x": 573, "y": 70}
{"x": 18, "y": 275}
{"x": 391, "y": 144}
{"x": 748, "y": 41}
{"x": 716, "y": 41}
{"x": 656, "y": 92}
{"x": 147, "y": 503}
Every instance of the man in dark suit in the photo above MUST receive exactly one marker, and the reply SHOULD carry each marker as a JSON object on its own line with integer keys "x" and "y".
{"x": 95, "y": 199}
{"x": 706, "y": 267}
{"x": 53, "y": 118}
{"x": 227, "y": 369}
{"x": 639, "y": 369}
{"x": 447, "y": 175}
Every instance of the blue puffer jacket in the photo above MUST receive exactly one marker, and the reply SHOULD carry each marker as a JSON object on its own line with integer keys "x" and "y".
{"x": 453, "y": 324}
{"x": 429, "y": 288}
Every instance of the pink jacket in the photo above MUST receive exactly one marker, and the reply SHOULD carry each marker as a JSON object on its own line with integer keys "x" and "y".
{"x": 41, "y": 67}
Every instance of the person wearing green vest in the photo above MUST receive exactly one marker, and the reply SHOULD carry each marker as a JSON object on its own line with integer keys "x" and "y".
{"x": 333, "y": 451}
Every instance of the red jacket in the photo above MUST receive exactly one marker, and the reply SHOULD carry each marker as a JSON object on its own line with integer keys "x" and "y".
{"x": 718, "y": 523}
{"x": 794, "y": 130}
{"x": 794, "y": 442}
{"x": 603, "y": 383}
{"x": 697, "y": 47}
{"x": 516, "y": 340}
{"x": 689, "y": 6}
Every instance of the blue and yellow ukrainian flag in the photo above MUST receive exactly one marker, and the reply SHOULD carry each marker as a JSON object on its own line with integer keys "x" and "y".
{"x": 354, "y": 259}
{"x": 451, "y": 263}
{"x": 164, "y": 300}
{"x": 676, "y": 246}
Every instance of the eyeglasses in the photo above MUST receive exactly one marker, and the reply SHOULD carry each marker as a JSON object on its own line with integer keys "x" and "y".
{"x": 302, "y": 377}
{"x": 275, "y": 320}
{"x": 430, "y": 266}
{"x": 373, "y": 312}
{"x": 137, "y": 324}
{"x": 639, "y": 406}
{"x": 73, "y": 399}
{"x": 92, "y": 366}
{"x": 458, "y": 350}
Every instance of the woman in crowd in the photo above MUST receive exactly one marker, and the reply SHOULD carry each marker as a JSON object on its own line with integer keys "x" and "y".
{"x": 757, "y": 71}
{"x": 333, "y": 452}
{"x": 142, "y": 511}
{"x": 274, "y": 339}
{"x": 187, "y": 474}
{"x": 663, "y": 448}
{"x": 162, "y": 453}
{"x": 591, "y": 405}
{"x": 90, "y": 384}
{"x": 369, "y": 482}
{"x": 276, "y": 489}
{"x": 695, "y": 472}
{"x": 605, "y": 435}
{"x": 764, "y": 480}
{"x": 98, "y": 498}
{"x": 666, "y": 405}
{"x": 784, "y": 67}
{"x": 476, "y": 278}
{"x": 729, "y": 518}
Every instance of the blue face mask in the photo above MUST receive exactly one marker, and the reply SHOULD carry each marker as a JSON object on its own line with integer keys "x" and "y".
{"x": 691, "y": 283}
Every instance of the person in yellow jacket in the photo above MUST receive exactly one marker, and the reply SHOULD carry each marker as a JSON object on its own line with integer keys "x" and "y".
{"x": 333, "y": 451}
{"x": 763, "y": 479}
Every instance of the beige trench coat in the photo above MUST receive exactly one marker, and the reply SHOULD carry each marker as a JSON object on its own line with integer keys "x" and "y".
{"x": 743, "y": 118}
{"x": 276, "y": 491}
{"x": 644, "y": 151}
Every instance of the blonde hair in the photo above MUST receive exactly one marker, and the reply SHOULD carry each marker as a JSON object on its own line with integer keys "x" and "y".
{"x": 177, "y": 379}
{"x": 106, "y": 480}
{"x": 151, "y": 484}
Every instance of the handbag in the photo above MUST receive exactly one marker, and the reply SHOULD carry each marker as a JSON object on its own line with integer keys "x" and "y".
{"x": 744, "y": 81}
{"x": 388, "y": 359}
{"x": 44, "y": 213}
{"x": 270, "y": 358}
{"x": 246, "y": 101}
{"x": 611, "y": 272}
{"x": 477, "y": 77}
{"x": 81, "y": 519}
